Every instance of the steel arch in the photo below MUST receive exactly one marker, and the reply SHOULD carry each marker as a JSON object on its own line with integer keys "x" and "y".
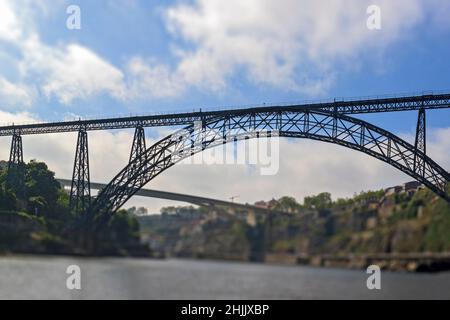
{"x": 324, "y": 126}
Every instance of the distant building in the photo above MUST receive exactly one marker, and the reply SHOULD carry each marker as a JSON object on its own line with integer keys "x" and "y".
{"x": 411, "y": 187}
{"x": 262, "y": 204}
{"x": 408, "y": 187}
{"x": 266, "y": 205}
{"x": 393, "y": 190}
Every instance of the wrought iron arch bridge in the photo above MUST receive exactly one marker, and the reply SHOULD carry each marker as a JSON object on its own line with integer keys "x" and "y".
{"x": 330, "y": 122}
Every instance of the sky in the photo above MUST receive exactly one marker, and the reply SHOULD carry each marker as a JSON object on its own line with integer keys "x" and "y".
{"x": 145, "y": 57}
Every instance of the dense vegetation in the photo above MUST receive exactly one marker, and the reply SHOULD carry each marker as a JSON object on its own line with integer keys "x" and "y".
{"x": 35, "y": 218}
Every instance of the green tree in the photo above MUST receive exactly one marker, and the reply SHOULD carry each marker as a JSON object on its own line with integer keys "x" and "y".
{"x": 41, "y": 183}
{"x": 321, "y": 201}
{"x": 288, "y": 204}
{"x": 8, "y": 200}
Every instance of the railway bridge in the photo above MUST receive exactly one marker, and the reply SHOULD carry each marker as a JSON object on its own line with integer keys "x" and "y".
{"x": 332, "y": 121}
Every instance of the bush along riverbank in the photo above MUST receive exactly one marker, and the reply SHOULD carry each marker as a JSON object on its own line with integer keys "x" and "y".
{"x": 35, "y": 219}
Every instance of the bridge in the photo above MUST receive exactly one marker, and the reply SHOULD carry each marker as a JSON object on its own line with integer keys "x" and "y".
{"x": 331, "y": 121}
{"x": 195, "y": 200}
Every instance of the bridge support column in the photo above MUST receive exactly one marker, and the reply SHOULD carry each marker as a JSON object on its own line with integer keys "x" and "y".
{"x": 16, "y": 166}
{"x": 80, "y": 193}
{"x": 420, "y": 143}
{"x": 138, "y": 148}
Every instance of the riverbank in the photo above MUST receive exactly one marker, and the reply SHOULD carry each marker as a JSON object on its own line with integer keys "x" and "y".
{"x": 22, "y": 233}
{"x": 411, "y": 262}
{"x": 406, "y": 262}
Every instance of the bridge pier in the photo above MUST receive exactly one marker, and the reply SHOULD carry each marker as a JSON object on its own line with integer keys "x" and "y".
{"x": 138, "y": 156}
{"x": 80, "y": 193}
{"x": 16, "y": 169}
{"x": 420, "y": 143}
{"x": 139, "y": 146}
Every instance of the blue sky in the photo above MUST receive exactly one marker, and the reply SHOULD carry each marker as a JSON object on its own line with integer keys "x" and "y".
{"x": 416, "y": 59}
{"x": 142, "y": 57}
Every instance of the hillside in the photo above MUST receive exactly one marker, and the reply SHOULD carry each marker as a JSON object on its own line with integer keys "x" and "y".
{"x": 399, "y": 226}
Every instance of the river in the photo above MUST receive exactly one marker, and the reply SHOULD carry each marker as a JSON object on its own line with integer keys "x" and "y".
{"x": 45, "y": 278}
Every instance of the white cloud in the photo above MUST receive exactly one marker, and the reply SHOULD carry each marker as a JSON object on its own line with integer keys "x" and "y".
{"x": 12, "y": 95}
{"x": 290, "y": 44}
{"x": 10, "y": 29}
{"x": 440, "y": 146}
{"x": 287, "y": 44}
{"x": 151, "y": 80}
{"x": 293, "y": 45}
{"x": 8, "y": 118}
{"x": 71, "y": 72}
{"x": 67, "y": 71}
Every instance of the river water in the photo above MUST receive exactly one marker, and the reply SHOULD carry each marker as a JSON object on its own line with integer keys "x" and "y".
{"x": 45, "y": 278}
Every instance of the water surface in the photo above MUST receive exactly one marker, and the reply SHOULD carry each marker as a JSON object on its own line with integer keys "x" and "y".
{"x": 45, "y": 278}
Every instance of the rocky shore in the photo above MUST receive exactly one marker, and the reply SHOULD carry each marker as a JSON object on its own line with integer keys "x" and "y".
{"x": 409, "y": 262}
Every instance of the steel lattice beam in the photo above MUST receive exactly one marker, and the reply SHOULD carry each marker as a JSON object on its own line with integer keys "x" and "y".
{"x": 324, "y": 126}
{"x": 432, "y": 101}
{"x": 80, "y": 193}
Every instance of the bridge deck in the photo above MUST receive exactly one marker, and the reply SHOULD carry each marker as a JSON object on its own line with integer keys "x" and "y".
{"x": 431, "y": 101}
{"x": 200, "y": 201}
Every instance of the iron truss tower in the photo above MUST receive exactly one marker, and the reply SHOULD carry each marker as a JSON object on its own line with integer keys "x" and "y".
{"x": 80, "y": 193}
{"x": 420, "y": 143}
{"x": 16, "y": 166}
